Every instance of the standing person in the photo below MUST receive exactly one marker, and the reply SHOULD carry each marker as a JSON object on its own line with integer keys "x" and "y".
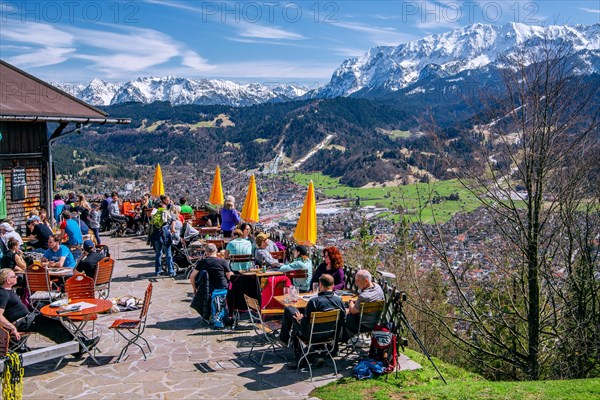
{"x": 229, "y": 216}
{"x": 71, "y": 201}
{"x": 333, "y": 264}
{"x": 185, "y": 208}
{"x": 95, "y": 222}
{"x": 301, "y": 261}
{"x": 300, "y": 323}
{"x": 58, "y": 255}
{"x": 219, "y": 275}
{"x": 104, "y": 216}
{"x": 162, "y": 239}
{"x": 84, "y": 209}
{"x": 71, "y": 227}
{"x": 58, "y": 205}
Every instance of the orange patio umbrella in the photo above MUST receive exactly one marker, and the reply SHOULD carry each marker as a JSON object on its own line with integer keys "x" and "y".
{"x": 250, "y": 209}
{"x": 216, "y": 193}
{"x": 306, "y": 230}
{"x": 158, "y": 187}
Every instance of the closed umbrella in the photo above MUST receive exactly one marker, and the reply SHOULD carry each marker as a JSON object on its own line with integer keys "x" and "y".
{"x": 250, "y": 209}
{"x": 306, "y": 230}
{"x": 158, "y": 187}
{"x": 216, "y": 193}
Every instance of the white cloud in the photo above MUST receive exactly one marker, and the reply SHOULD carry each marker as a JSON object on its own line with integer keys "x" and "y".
{"x": 348, "y": 52}
{"x": 590, "y": 10}
{"x": 35, "y": 33}
{"x": 249, "y": 30}
{"x": 173, "y": 4}
{"x": 192, "y": 60}
{"x": 42, "y": 57}
{"x": 380, "y": 36}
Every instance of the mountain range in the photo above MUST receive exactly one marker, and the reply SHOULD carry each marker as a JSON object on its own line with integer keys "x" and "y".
{"x": 408, "y": 68}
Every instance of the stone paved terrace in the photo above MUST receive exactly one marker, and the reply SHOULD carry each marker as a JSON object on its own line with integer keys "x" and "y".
{"x": 188, "y": 361}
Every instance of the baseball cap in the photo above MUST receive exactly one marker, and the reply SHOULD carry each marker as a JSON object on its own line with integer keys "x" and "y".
{"x": 88, "y": 245}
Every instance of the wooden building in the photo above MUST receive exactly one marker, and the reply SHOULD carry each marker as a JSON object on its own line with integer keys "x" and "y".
{"x": 33, "y": 115}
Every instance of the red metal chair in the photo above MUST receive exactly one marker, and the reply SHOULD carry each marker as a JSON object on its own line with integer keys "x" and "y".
{"x": 132, "y": 329}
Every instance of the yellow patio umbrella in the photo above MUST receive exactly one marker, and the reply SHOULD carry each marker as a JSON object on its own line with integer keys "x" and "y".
{"x": 158, "y": 187}
{"x": 250, "y": 209}
{"x": 216, "y": 193}
{"x": 306, "y": 230}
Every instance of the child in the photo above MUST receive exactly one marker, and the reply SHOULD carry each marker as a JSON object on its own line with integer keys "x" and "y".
{"x": 95, "y": 222}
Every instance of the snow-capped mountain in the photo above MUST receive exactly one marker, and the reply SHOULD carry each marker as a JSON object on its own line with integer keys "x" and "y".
{"x": 474, "y": 47}
{"x": 181, "y": 91}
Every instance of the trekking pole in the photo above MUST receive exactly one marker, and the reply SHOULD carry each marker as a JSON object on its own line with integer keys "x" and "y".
{"x": 421, "y": 345}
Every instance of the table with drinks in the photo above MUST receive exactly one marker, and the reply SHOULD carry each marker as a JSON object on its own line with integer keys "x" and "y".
{"x": 292, "y": 297}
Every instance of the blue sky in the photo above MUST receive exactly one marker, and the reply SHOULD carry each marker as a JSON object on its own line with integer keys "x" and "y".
{"x": 265, "y": 41}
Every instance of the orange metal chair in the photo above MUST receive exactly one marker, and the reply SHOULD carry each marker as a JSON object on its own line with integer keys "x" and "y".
{"x": 41, "y": 289}
{"x": 103, "y": 278}
{"x": 132, "y": 329}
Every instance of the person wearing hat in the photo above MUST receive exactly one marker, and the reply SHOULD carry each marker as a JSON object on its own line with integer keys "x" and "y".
{"x": 301, "y": 261}
{"x": 271, "y": 246}
{"x": 89, "y": 261}
{"x": 263, "y": 256}
{"x": 8, "y": 232}
{"x": 40, "y": 234}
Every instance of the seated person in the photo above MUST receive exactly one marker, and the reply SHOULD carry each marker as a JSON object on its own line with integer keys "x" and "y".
{"x": 369, "y": 292}
{"x": 325, "y": 301}
{"x": 219, "y": 275}
{"x": 8, "y": 232}
{"x": 13, "y": 258}
{"x": 115, "y": 214}
{"x": 40, "y": 234}
{"x": 58, "y": 255}
{"x": 333, "y": 264}
{"x": 89, "y": 262}
{"x": 15, "y": 317}
{"x": 263, "y": 256}
{"x": 239, "y": 246}
{"x": 301, "y": 261}
{"x": 185, "y": 208}
{"x": 271, "y": 246}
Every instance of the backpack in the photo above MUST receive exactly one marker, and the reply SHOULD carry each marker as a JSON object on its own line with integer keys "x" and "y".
{"x": 160, "y": 218}
{"x": 383, "y": 346}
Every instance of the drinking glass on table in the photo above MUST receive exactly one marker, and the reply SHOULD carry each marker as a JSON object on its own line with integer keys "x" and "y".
{"x": 315, "y": 287}
{"x": 286, "y": 295}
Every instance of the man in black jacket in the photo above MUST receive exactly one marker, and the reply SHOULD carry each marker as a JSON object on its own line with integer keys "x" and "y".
{"x": 89, "y": 261}
{"x": 325, "y": 301}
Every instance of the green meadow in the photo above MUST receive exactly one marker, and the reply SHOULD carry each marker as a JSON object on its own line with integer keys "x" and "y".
{"x": 415, "y": 199}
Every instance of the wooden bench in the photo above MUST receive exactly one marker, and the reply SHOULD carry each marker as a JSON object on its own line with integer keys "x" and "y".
{"x": 47, "y": 353}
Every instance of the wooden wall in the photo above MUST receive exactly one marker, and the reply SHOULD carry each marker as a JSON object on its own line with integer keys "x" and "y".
{"x": 24, "y": 145}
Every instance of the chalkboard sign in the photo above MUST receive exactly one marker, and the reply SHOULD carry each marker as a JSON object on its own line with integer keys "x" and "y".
{"x": 19, "y": 184}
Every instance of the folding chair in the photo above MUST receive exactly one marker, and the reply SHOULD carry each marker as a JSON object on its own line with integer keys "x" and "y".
{"x": 278, "y": 255}
{"x": 41, "y": 289}
{"x": 240, "y": 259}
{"x": 79, "y": 287}
{"x": 322, "y": 337}
{"x": 370, "y": 313}
{"x": 10, "y": 344}
{"x": 267, "y": 331}
{"x": 103, "y": 277}
{"x": 132, "y": 329}
{"x": 220, "y": 243}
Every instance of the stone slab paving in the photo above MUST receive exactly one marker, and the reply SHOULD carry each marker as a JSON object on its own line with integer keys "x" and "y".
{"x": 188, "y": 361}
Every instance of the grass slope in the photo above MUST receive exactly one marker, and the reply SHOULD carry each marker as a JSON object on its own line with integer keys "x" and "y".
{"x": 409, "y": 197}
{"x": 462, "y": 385}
